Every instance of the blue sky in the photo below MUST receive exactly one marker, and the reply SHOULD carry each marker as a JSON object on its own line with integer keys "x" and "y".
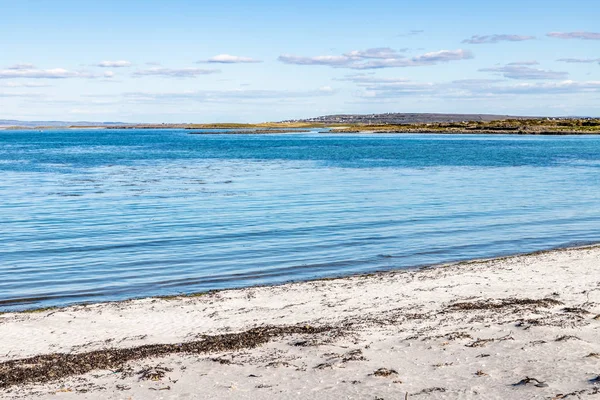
{"x": 214, "y": 61}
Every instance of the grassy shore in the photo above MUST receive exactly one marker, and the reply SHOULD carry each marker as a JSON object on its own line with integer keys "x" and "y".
{"x": 534, "y": 126}
{"x": 511, "y": 126}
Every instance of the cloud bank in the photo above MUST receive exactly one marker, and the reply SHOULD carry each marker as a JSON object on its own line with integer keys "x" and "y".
{"x": 575, "y": 35}
{"x": 524, "y": 63}
{"x": 524, "y": 72}
{"x": 114, "y": 64}
{"x": 381, "y": 89}
{"x": 229, "y": 59}
{"x": 175, "y": 73}
{"x": 377, "y": 58}
{"x": 580, "y": 60}
{"x": 31, "y": 72}
{"x": 485, "y": 39}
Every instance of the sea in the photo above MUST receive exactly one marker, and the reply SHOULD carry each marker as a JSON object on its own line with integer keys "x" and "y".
{"x": 104, "y": 215}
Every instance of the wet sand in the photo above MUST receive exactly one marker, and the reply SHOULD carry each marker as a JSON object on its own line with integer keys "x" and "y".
{"x": 516, "y": 327}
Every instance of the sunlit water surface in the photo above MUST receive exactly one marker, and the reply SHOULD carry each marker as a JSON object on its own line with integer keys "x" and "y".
{"x": 96, "y": 215}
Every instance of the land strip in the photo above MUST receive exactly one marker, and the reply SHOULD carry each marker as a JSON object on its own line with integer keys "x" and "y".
{"x": 376, "y": 123}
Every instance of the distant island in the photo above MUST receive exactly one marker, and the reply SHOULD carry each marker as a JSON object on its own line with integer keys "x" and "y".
{"x": 361, "y": 123}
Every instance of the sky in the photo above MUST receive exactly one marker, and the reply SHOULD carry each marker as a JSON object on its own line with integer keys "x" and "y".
{"x": 264, "y": 60}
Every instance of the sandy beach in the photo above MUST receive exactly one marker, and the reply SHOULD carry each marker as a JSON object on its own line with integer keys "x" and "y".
{"x": 519, "y": 327}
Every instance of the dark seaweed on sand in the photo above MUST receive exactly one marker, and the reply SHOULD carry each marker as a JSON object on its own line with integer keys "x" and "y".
{"x": 504, "y": 303}
{"x": 49, "y": 367}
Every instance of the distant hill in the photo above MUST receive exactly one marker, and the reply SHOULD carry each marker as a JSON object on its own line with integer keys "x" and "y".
{"x": 31, "y": 124}
{"x": 406, "y": 118}
{"x": 338, "y": 119}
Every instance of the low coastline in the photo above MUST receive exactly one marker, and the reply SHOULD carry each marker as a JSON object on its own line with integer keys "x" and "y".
{"x": 426, "y": 131}
{"x": 407, "y": 124}
{"x": 475, "y": 329}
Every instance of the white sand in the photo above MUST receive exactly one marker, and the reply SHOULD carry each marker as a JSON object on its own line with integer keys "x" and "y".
{"x": 399, "y": 320}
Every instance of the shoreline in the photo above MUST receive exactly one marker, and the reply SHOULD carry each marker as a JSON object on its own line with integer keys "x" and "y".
{"x": 471, "y": 132}
{"x": 519, "y": 326}
{"x": 292, "y": 282}
{"x": 332, "y": 130}
{"x": 535, "y": 127}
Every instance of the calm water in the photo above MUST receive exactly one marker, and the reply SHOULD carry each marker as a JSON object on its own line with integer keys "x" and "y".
{"x": 106, "y": 215}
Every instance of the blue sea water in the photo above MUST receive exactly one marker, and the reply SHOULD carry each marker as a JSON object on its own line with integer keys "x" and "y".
{"x": 97, "y": 215}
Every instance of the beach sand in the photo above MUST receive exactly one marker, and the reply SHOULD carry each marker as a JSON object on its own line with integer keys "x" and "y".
{"x": 523, "y": 327}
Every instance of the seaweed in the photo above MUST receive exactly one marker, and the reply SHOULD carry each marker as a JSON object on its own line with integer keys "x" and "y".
{"x": 50, "y": 367}
{"x": 502, "y": 304}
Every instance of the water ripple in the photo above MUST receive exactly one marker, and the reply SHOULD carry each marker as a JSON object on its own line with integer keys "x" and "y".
{"x": 121, "y": 214}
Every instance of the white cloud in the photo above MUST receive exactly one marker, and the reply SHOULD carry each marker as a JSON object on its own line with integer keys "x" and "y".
{"x": 28, "y": 71}
{"x": 114, "y": 64}
{"x": 580, "y": 60}
{"x": 23, "y": 85}
{"x": 443, "y": 56}
{"x": 524, "y": 63}
{"x": 486, "y": 39}
{"x": 175, "y": 73}
{"x": 332, "y": 61}
{"x": 375, "y": 89}
{"x": 564, "y": 87}
{"x": 575, "y": 35}
{"x": 524, "y": 72}
{"x": 229, "y": 59}
{"x": 378, "y": 58}
{"x": 377, "y": 53}
{"x": 109, "y": 74}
